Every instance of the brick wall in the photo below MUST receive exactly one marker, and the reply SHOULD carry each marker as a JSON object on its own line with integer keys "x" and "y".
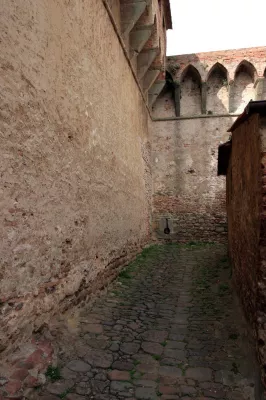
{"x": 243, "y": 207}
{"x": 261, "y": 272}
{"x": 246, "y": 224}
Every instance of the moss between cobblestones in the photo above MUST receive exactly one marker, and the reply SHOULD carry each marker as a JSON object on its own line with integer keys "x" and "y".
{"x": 173, "y": 288}
{"x": 192, "y": 245}
{"x": 183, "y": 368}
{"x": 64, "y": 394}
{"x": 148, "y": 254}
{"x": 209, "y": 285}
{"x": 132, "y": 373}
{"x": 53, "y": 373}
{"x": 140, "y": 261}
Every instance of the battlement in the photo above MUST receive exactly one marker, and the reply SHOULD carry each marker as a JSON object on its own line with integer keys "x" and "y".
{"x": 217, "y": 82}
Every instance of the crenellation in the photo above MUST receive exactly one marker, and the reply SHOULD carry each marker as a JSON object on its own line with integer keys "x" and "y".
{"x": 238, "y": 82}
{"x": 186, "y": 190}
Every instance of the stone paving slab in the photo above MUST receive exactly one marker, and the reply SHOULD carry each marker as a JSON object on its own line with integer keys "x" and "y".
{"x": 168, "y": 328}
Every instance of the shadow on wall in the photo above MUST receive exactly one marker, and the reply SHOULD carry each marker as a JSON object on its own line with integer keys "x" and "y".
{"x": 243, "y": 86}
{"x": 190, "y": 92}
{"x": 217, "y": 96}
{"x": 197, "y": 88}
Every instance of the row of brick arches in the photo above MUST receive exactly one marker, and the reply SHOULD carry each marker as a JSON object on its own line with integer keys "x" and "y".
{"x": 217, "y": 95}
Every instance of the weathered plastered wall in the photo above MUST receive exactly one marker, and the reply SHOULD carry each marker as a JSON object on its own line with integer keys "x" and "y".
{"x": 75, "y": 191}
{"x": 186, "y": 189}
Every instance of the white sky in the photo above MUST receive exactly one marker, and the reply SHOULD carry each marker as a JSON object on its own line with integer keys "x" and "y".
{"x": 207, "y": 25}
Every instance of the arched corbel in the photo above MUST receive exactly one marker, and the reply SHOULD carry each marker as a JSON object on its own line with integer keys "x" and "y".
{"x": 130, "y": 14}
{"x": 156, "y": 88}
{"x": 142, "y": 31}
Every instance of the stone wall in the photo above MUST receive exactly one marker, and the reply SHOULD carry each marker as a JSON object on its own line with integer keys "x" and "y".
{"x": 75, "y": 162}
{"x": 141, "y": 26}
{"x": 203, "y": 95}
{"x": 186, "y": 189}
{"x": 246, "y": 224}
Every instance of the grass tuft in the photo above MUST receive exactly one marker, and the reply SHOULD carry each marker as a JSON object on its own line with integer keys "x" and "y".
{"x": 53, "y": 373}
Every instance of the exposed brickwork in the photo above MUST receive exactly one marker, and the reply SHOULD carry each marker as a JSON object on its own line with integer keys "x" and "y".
{"x": 26, "y": 368}
{"x": 261, "y": 272}
{"x": 230, "y": 59}
{"x": 243, "y": 185}
{"x": 246, "y": 223}
{"x": 189, "y": 227}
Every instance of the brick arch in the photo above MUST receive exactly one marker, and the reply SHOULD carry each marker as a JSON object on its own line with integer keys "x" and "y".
{"x": 218, "y": 67}
{"x": 248, "y": 68}
{"x": 217, "y": 93}
{"x": 243, "y": 88}
{"x": 190, "y": 69}
{"x": 190, "y": 91}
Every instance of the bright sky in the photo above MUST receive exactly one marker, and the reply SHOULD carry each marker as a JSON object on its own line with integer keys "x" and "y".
{"x": 207, "y": 25}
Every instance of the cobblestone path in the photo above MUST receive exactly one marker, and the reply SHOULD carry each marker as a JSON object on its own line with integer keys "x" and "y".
{"x": 168, "y": 328}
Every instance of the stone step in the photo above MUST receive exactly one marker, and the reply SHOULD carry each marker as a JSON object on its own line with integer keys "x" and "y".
{"x": 130, "y": 13}
{"x": 145, "y": 59}
{"x": 155, "y": 90}
{"x": 149, "y": 79}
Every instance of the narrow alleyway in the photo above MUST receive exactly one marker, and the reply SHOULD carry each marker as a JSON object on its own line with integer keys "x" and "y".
{"x": 168, "y": 328}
